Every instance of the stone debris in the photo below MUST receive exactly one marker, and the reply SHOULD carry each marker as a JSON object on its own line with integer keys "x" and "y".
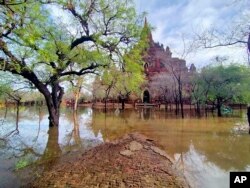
{"x": 126, "y": 153}
{"x": 135, "y": 146}
{"x": 162, "y": 153}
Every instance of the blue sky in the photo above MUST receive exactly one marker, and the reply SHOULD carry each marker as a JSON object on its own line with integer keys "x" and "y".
{"x": 174, "y": 20}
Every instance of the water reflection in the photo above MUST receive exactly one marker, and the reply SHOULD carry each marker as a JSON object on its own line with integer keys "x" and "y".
{"x": 209, "y": 140}
{"x": 205, "y": 149}
{"x": 52, "y": 148}
{"x": 145, "y": 113}
{"x": 35, "y": 142}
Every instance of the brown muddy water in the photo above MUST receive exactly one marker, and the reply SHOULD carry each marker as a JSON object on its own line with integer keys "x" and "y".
{"x": 206, "y": 149}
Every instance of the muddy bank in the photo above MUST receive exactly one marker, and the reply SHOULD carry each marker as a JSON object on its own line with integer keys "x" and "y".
{"x": 133, "y": 161}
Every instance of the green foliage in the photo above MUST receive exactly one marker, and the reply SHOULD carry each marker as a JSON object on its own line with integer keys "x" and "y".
{"x": 3, "y": 88}
{"x": 5, "y": 85}
{"x": 129, "y": 77}
{"x": 224, "y": 83}
{"x": 21, "y": 164}
{"x": 85, "y": 37}
{"x": 45, "y": 41}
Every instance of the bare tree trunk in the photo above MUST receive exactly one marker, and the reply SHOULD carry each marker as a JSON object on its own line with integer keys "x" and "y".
{"x": 77, "y": 95}
{"x": 107, "y": 92}
{"x": 181, "y": 99}
{"x": 17, "y": 113}
{"x": 53, "y": 101}
{"x": 77, "y": 92}
{"x": 53, "y": 115}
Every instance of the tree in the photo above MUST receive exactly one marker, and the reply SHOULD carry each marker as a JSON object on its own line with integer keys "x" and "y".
{"x": 4, "y": 87}
{"x": 199, "y": 91}
{"x": 124, "y": 81}
{"x": 222, "y": 84}
{"x": 127, "y": 84}
{"x": 235, "y": 33}
{"x": 180, "y": 77}
{"x": 127, "y": 78}
{"x": 76, "y": 87}
{"x": 46, "y": 51}
{"x": 163, "y": 88}
{"x": 97, "y": 89}
{"x": 109, "y": 80}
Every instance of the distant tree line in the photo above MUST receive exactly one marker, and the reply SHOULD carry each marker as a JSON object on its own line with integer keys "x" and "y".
{"x": 213, "y": 87}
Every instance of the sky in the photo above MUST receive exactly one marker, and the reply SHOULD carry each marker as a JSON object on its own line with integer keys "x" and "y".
{"x": 175, "y": 20}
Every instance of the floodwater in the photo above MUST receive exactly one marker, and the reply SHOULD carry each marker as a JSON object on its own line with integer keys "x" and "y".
{"x": 205, "y": 149}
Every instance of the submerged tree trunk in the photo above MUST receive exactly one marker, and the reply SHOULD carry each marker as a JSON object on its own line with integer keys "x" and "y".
{"x": 206, "y": 109}
{"x": 182, "y": 110}
{"x": 219, "y": 111}
{"x": 213, "y": 107}
{"x": 17, "y": 113}
{"x": 219, "y": 108}
{"x": 122, "y": 99}
{"x": 166, "y": 106}
{"x": 198, "y": 109}
{"x": 123, "y": 104}
{"x": 107, "y": 92}
{"x": 248, "y": 117}
{"x": 53, "y": 98}
{"x": 176, "y": 107}
{"x": 105, "y": 105}
{"x": 52, "y": 149}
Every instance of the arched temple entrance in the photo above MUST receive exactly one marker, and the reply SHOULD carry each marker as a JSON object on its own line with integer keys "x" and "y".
{"x": 146, "y": 96}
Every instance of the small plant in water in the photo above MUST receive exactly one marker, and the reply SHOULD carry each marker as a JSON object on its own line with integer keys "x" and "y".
{"x": 21, "y": 164}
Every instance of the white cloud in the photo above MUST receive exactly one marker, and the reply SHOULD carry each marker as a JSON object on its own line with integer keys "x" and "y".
{"x": 176, "y": 18}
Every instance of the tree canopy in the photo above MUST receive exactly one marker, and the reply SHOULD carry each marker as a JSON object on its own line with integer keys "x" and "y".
{"x": 46, "y": 50}
{"x": 221, "y": 84}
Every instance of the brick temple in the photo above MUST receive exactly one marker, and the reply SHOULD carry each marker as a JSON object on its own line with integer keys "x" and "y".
{"x": 159, "y": 60}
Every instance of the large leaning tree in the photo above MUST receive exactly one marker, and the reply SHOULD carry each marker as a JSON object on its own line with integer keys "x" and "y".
{"x": 87, "y": 37}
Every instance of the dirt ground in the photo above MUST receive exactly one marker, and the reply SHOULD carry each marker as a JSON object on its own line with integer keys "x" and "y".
{"x": 133, "y": 161}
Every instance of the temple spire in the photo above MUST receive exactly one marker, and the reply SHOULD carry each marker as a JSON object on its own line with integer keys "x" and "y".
{"x": 148, "y": 30}
{"x": 145, "y": 22}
